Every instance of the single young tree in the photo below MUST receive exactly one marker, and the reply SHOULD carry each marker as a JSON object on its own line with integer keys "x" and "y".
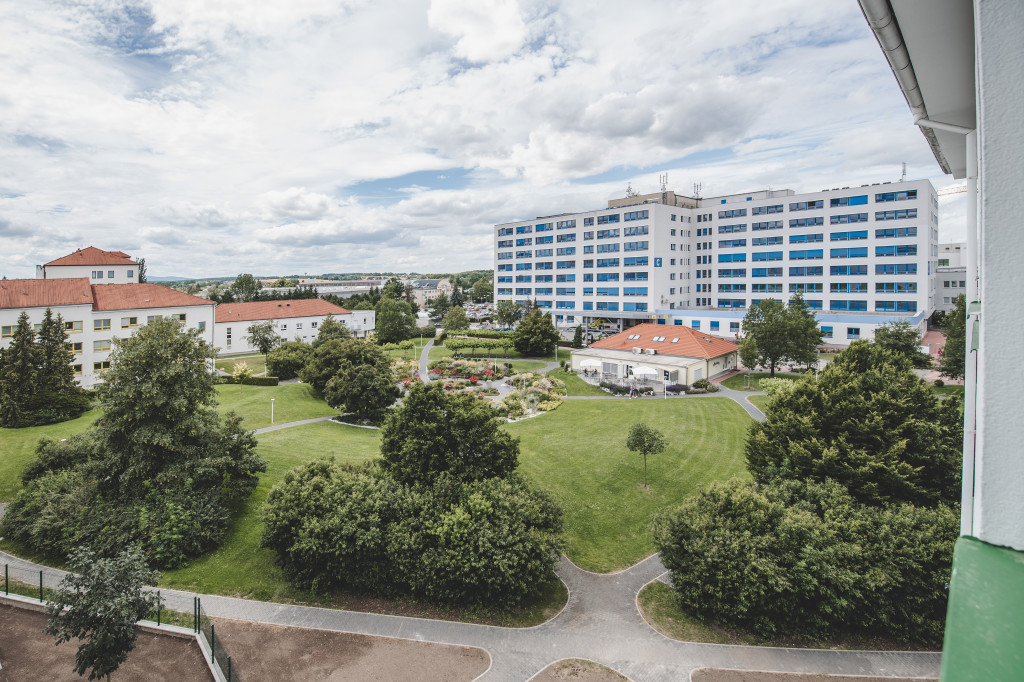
{"x": 263, "y": 337}
{"x": 903, "y": 339}
{"x": 954, "y": 361}
{"x": 394, "y": 321}
{"x": 330, "y": 328}
{"x": 20, "y": 376}
{"x": 506, "y": 313}
{"x": 803, "y": 333}
{"x": 55, "y": 373}
{"x": 439, "y": 307}
{"x": 749, "y": 354}
{"x": 483, "y": 290}
{"x": 577, "y": 338}
{"x": 455, "y": 319}
{"x": 433, "y": 432}
{"x": 99, "y": 603}
{"x": 142, "y": 271}
{"x": 782, "y": 333}
{"x": 535, "y": 335}
{"x": 245, "y": 288}
{"x": 646, "y": 440}
{"x": 457, "y": 299}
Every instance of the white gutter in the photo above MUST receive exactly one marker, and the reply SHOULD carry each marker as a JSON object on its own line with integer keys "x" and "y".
{"x": 972, "y": 318}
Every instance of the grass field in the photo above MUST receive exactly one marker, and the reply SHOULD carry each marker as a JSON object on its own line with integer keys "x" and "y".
{"x": 18, "y": 446}
{"x": 738, "y": 382}
{"x": 948, "y": 389}
{"x": 257, "y": 363}
{"x": 578, "y": 454}
{"x": 760, "y": 401}
{"x": 576, "y": 386}
{"x": 292, "y": 402}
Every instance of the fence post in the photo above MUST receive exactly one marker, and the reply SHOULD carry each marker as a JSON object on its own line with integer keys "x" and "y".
{"x": 158, "y": 605}
{"x": 7, "y": 581}
{"x": 229, "y": 669}
{"x": 195, "y": 614}
{"x": 213, "y": 644}
{"x": 40, "y": 587}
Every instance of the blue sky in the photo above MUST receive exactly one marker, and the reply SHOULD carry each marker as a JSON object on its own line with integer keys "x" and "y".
{"x": 214, "y": 137}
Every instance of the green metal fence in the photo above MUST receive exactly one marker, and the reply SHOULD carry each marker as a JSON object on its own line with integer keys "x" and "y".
{"x": 218, "y": 653}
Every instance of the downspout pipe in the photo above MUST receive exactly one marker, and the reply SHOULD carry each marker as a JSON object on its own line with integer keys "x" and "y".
{"x": 967, "y": 499}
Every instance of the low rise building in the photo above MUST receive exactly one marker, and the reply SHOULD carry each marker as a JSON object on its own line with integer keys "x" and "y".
{"x": 99, "y": 266}
{"x": 293, "y": 320}
{"x": 673, "y": 355}
{"x": 426, "y": 290}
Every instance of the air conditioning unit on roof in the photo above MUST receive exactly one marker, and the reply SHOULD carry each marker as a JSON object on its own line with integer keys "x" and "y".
{"x": 637, "y": 351}
{"x": 651, "y": 351}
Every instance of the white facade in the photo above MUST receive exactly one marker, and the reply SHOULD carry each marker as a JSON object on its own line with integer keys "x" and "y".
{"x": 297, "y": 320}
{"x": 96, "y": 274}
{"x": 865, "y": 253}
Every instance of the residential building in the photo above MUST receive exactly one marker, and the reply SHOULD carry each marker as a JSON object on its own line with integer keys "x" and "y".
{"x": 959, "y": 65}
{"x": 100, "y": 267}
{"x": 950, "y": 275}
{"x": 297, "y": 320}
{"x": 860, "y": 256}
{"x": 426, "y": 290}
{"x": 96, "y": 314}
{"x": 678, "y": 356}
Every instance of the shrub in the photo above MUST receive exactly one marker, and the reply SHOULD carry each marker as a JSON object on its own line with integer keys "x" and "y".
{"x": 676, "y": 388}
{"x": 939, "y": 383}
{"x": 702, "y": 383}
{"x": 288, "y": 359}
{"x": 774, "y": 386}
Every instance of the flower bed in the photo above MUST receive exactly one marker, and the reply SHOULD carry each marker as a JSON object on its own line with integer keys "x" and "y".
{"x": 483, "y": 370}
{"x": 535, "y": 394}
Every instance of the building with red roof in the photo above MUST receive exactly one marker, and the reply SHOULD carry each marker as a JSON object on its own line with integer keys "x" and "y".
{"x": 293, "y": 320}
{"x": 671, "y": 354}
{"x": 99, "y": 266}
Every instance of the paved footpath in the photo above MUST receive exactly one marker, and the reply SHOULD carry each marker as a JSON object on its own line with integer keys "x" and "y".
{"x": 600, "y": 622}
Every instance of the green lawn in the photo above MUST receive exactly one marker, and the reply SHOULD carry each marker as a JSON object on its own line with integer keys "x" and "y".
{"x": 577, "y": 453}
{"x": 257, "y": 363}
{"x": 948, "y": 389}
{"x": 738, "y": 382}
{"x": 240, "y": 566}
{"x": 760, "y": 401}
{"x": 576, "y": 386}
{"x": 18, "y": 446}
{"x": 292, "y": 402}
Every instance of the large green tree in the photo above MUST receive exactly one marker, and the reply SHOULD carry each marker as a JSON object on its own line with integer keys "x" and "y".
{"x": 483, "y": 290}
{"x": 506, "y": 313}
{"x": 953, "y": 363}
{"x": 99, "y": 603}
{"x": 535, "y": 336}
{"x": 902, "y": 338}
{"x": 363, "y": 382}
{"x": 245, "y": 288}
{"x": 287, "y": 360}
{"x": 330, "y": 328}
{"x": 20, "y": 376}
{"x": 455, "y": 319}
{"x": 457, "y": 300}
{"x": 394, "y": 321}
{"x": 433, "y": 433}
{"x": 262, "y": 335}
{"x": 869, "y": 423}
{"x": 782, "y": 333}
{"x": 439, "y": 307}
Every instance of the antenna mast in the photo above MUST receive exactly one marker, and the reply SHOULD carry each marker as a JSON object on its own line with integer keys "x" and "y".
{"x": 663, "y": 179}
{"x": 903, "y": 178}
{"x": 696, "y": 190}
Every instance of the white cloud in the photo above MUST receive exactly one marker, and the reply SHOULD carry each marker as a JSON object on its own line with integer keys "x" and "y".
{"x": 487, "y": 30}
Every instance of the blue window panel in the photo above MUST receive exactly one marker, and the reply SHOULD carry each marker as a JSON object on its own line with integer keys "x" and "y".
{"x": 812, "y": 303}
{"x": 638, "y": 307}
{"x": 848, "y": 218}
{"x": 607, "y": 305}
{"x": 732, "y": 258}
{"x": 764, "y": 255}
{"x": 714, "y": 325}
{"x": 859, "y": 200}
{"x": 588, "y": 305}
{"x": 826, "y": 331}
{"x": 857, "y": 252}
{"x": 806, "y": 254}
{"x": 853, "y": 235}
{"x": 766, "y": 272}
{"x": 607, "y": 291}
{"x": 635, "y": 261}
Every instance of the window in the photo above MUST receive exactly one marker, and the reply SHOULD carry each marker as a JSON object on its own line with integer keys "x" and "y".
{"x": 714, "y": 326}
{"x": 7, "y": 331}
{"x": 568, "y": 237}
{"x": 807, "y": 205}
{"x": 505, "y": 244}
{"x": 806, "y": 254}
{"x": 608, "y": 234}
{"x": 826, "y": 332}
{"x": 504, "y": 255}
{"x": 896, "y": 196}
{"x": 101, "y": 346}
{"x": 770, "y": 225}
{"x": 544, "y": 265}
{"x": 764, "y": 255}
{"x": 110, "y": 274}
{"x": 524, "y": 291}
{"x": 853, "y": 235}
{"x": 566, "y": 264}
{"x": 284, "y": 327}
{"x": 768, "y": 241}
{"x": 849, "y": 287}
{"x": 524, "y": 254}
{"x": 97, "y": 274}
{"x": 524, "y": 266}
{"x": 695, "y": 324}
{"x": 76, "y": 348}
{"x": 896, "y": 269}
{"x": 896, "y": 306}
{"x": 131, "y": 274}
{"x": 731, "y": 243}
{"x": 896, "y": 215}
{"x": 891, "y": 232}
{"x": 607, "y": 305}
{"x": 732, "y": 272}
{"x": 848, "y": 218}
{"x": 732, "y": 258}
{"x": 858, "y": 200}
{"x": 848, "y": 270}
{"x": 730, "y": 303}
{"x": 178, "y": 316}
{"x": 605, "y": 219}
{"x": 504, "y": 231}
{"x": 766, "y": 272}
{"x": 766, "y": 288}
{"x": 853, "y": 332}
{"x": 546, "y": 253}
{"x": 77, "y": 369}
{"x": 74, "y": 327}
{"x": 565, "y": 224}
{"x": 546, "y": 239}
{"x": 805, "y": 287}
{"x": 129, "y": 322}
{"x": 202, "y": 325}
{"x": 943, "y": 262}
{"x": 635, "y": 246}
{"x": 733, "y": 288}
{"x": 897, "y": 250}
{"x": 542, "y": 278}
{"x": 101, "y": 325}
{"x": 731, "y": 229}
{"x": 524, "y": 229}
{"x": 764, "y": 210}
{"x": 100, "y": 366}
{"x": 856, "y": 306}
{"x": 859, "y": 252}
{"x": 607, "y": 248}
{"x": 733, "y": 213}
{"x": 544, "y": 227}
{"x": 895, "y": 287}
{"x": 635, "y": 215}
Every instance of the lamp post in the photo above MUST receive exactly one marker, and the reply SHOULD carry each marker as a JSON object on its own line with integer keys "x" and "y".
{"x": 271, "y": 411}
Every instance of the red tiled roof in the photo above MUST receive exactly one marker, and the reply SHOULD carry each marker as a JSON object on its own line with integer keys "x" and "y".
{"x": 40, "y": 293}
{"x": 691, "y": 343}
{"x": 276, "y": 310}
{"x": 132, "y": 296}
{"x": 90, "y": 255}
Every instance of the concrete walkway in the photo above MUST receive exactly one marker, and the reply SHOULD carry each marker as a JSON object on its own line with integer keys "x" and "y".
{"x": 288, "y": 425}
{"x": 600, "y": 622}
{"x": 425, "y": 360}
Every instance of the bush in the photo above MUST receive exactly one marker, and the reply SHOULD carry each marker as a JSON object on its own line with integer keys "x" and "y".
{"x": 702, "y": 383}
{"x": 804, "y": 558}
{"x": 288, "y": 359}
{"x": 676, "y": 388}
{"x": 774, "y": 386}
{"x": 939, "y": 383}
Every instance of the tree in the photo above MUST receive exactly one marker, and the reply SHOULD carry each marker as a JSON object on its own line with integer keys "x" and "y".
{"x": 903, "y": 339}
{"x": 363, "y": 381}
{"x": 330, "y": 328}
{"x": 781, "y": 333}
{"x": 394, "y": 289}
{"x": 455, "y": 319}
{"x": 433, "y": 432}
{"x": 868, "y": 423}
{"x": 483, "y": 290}
{"x": 245, "y": 288}
{"x": 263, "y": 337}
{"x": 749, "y": 354}
{"x": 287, "y": 360}
{"x": 142, "y": 271}
{"x": 646, "y": 440}
{"x": 953, "y": 363}
{"x": 438, "y": 308}
{"x": 20, "y": 376}
{"x": 535, "y": 335}
{"x": 457, "y": 299}
{"x": 99, "y": 603}
{"x": 394, "y": 321}
{"x": 577, "y": 338}
{"x": 506, "y": 313}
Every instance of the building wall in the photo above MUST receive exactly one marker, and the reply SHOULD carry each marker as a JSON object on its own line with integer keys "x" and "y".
{"x": 671, "y": 368}
{"x": 949, "y": 283}
{"x": 97, "y": 274}
{"x": 92, "y": 335}
{"x": 701, "y": 259}
{"x": 230, "y": 337}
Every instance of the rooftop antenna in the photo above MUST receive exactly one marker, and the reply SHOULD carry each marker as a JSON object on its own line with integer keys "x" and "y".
{"x": 696, "y": 190}
{"x": 903, "y": 178}
{"x": 663, "y": 179}
{"x": 630, "y": 192}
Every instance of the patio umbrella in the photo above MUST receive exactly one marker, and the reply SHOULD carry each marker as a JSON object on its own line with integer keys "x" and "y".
{"x": 590, "y": 362}
{"x": 644, "y": 371}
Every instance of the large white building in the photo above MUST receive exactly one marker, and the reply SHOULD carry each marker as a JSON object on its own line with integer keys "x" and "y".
{"x": 860, "y": 256}
{"x": 96, "y": 314}
{"x": 950, "y": 275}
{"x": 100, "y": 267}
{"x": 297, "y": 320}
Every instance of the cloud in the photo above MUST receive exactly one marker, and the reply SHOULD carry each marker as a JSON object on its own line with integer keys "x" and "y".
{"x": 487, "y": 30}
{"x": 294, "y": 203}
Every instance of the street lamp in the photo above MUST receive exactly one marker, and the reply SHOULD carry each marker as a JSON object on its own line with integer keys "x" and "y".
{"x": 271, "y": 411}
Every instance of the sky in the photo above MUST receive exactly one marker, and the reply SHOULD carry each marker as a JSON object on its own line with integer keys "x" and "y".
{"x": 214, "y": 137}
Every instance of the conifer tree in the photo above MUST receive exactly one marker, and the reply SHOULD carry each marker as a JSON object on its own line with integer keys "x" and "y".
{"x": 20, "y": 375}
{"x": 56, "y": 376}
